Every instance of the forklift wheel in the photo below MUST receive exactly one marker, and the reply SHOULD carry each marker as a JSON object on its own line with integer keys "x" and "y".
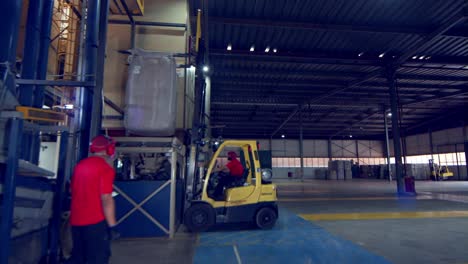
{"x": 265, "y": 218}
{"x": 199, "y": 217}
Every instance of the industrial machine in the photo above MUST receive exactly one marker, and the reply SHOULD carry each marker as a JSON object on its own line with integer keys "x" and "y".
{"x": 439, "y": 172}
{"x": 251, "y": 199}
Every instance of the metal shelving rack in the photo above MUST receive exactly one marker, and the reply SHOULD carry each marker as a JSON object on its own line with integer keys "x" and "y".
{"x": 13, "y": 169}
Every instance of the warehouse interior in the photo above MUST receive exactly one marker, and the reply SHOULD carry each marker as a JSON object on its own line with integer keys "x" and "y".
{"x": 349, "y": 118}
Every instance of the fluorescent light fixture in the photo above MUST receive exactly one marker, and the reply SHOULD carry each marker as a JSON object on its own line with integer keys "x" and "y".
{"x": 350, "y": 136}
{"x": 421, "y": 58}
{"x": 282, "y": 136}
{"x": 252, "y": 48}
{"x": 428, "y": 57}
{"x": 414, "y": 57}
{"x": 229, "y": 47}
{"x": 206, "y": 69}
{"x": 275, "y": 50}
{"x": 69, "y": 106}
{"x": 381, "y": 55}
{"x": 360, "y": 54}
{"x": 389, "y": 114}
{"x": 267, "y": 49}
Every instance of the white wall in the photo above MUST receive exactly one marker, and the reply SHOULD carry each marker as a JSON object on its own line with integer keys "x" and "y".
{"x": 443, "y": 142}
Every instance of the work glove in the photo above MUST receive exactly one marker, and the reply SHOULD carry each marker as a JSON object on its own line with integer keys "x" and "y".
{"x": 113, "y": 233}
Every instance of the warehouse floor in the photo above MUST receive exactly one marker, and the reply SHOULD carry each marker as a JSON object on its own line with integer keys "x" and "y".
{"x": 359, "y": 221}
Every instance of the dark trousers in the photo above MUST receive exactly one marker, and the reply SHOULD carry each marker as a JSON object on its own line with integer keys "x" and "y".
{"x": 224, "y": 180}
{"x": 91, "y": 244}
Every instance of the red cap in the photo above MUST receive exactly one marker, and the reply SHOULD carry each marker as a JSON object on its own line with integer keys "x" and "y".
{"x": 100, "y": 143}
{"x": 232, "y": 155}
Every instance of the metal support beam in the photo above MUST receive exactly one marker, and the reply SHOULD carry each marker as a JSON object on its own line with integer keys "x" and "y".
{"x": 147, "y": 23}
{"x": 9, "y": 186}
{"x": 47, "y": 13}
{"x": 96, "y": 119}
{"x": 326, "y": 27}
{"x": 59, "y": 197}
{"x": 113, "y": 105}
{"x": 31, "y": 52}
{"x": 89, "y": 63}
{"x": 387, "y": 146}
{"x": 421, "y": 45}
{"x": 432, "y": 37}
{"x": 395, "y": 130}
{"x": 10, "y": 15}
{"x": 56, "y": 83}
{"x": 173, "y": 196}
{"x": 132, "y": 23}
{"x": 301, "y": 146}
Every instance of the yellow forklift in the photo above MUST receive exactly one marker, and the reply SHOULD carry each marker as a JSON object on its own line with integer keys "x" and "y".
{"x": 252, "y": 198}
{"x": 439, "y": 172}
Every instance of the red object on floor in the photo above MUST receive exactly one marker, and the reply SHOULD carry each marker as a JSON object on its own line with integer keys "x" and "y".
{"x": 409, "y": 184}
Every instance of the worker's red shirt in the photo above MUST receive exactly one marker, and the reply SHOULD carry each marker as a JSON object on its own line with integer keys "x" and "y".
{"x": 235, "y": 168}
{"x": 92, "y": 177}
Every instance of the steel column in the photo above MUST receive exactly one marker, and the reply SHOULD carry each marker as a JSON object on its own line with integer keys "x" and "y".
{"x": 47, "y": 13}
{"x": 10, "y": 15}
{"x": 387, "y": 147}
{"x": 89, "y": 70}
{"x": 59, "y": 197}
{"x": 458, "y": 165}
{"x": 395, "y": 130}
{"x": 465, "y": 139}
{"x": 31, "y": 51}
{"x": 301, "y": 145}
{"x": 330, "y": 154}
{"x": 172, "y": 205}
{"x": 96, "y": 119}
{"x": 9, "y": 187}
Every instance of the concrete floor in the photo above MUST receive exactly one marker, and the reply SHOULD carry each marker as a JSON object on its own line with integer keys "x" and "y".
{"x": 365, "y": 223}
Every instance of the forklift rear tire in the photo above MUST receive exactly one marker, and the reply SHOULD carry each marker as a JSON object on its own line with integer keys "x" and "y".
{"x": 199, "y": 217}
{"x": 265, "y": 218}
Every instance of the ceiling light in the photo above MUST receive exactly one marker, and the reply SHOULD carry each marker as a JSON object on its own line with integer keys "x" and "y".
{"x": 421, "y": 58}
{"x": 350, "y": 136}
{"x": 282, "y": 136}
{"x": 252, "y": 48}
{"x": 415, "y": 57}
{"x": 267, "y": 49}
{"x": 381, "y": 55}
{"x": 229, "y": 47}
{"x": 206, "y": 68}
{"x": 428, "y": 57}
{"x": 360, "y": 54}
{"x": 275, "y": 50}
{"x": 389, "y": 114}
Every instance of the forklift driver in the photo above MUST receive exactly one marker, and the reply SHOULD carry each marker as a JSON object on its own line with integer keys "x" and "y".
{"x": 229, "y": 173}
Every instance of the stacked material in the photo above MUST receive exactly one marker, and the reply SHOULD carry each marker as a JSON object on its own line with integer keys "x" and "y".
{"x": 339, "y": 170}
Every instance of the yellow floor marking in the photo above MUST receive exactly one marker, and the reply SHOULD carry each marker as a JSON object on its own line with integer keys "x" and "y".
{"x": 383, "y": 215}
{"x": 353, "y": 198}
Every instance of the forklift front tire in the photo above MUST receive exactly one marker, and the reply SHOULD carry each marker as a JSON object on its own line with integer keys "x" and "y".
{"x": 199, "y": 217}
{"x": 266, "y": 218}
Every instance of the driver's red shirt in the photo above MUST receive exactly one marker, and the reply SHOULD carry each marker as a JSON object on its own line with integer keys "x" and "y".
{"x": 235, "y": 168}
{"x": 92, "y": 177}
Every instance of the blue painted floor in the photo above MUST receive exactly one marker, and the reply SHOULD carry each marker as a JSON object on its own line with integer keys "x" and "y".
{"x": 293, "y": 240}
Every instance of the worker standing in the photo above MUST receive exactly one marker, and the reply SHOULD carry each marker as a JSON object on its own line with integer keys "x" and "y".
{"x": 92, "y": 205}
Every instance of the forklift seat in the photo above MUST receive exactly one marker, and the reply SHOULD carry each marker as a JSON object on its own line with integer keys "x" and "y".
{"x": 241, "y": 181}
